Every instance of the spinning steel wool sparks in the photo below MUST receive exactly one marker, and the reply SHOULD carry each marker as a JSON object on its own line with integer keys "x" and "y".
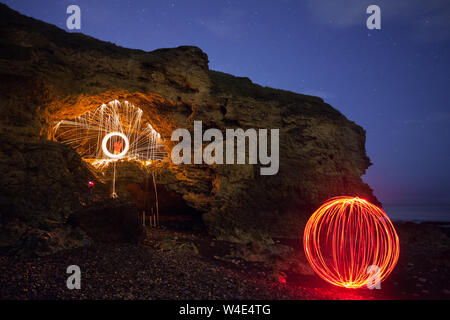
{"x": 114, "y": 131}
{"x": 346, "y": 238}
{"x": 111, "y": 132}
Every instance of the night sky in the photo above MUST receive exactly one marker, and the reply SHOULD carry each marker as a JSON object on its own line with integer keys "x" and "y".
{"x": 394, "y": 82}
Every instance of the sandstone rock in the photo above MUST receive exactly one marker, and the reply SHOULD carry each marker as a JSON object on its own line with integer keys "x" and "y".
{"x": 49, "y": 75}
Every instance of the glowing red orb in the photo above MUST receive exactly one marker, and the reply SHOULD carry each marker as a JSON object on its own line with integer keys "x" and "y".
{"x": 351, "y": 243}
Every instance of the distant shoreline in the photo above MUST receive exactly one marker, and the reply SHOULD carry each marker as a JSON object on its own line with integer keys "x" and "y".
{"x": 436, "y": 214}
{"x": 443, "y": 224}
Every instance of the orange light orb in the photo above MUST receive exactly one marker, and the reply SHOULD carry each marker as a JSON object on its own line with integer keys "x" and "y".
{"x": 345, "y": 237}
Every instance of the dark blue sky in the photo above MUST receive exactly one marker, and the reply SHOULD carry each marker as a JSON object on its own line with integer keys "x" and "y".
{"x": 394, "y": 82}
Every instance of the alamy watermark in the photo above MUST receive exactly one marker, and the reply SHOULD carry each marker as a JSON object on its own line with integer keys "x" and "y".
{"x": 374, "y": 20}
{"x": 74, "y": 280}
{"x": 234, "y": 140}
{"x": 374, "y": 281}
{"x": 73, "y": 21}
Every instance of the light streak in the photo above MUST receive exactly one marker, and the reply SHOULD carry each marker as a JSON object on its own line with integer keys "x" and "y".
{"x": 93, "y": 134}
{"x": 347, "y": 235}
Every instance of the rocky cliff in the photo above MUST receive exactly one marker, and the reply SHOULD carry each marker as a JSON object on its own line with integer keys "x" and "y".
{"x": 48, "y": 74}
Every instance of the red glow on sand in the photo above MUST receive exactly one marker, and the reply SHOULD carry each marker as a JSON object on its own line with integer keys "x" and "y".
{"x": 281, "y": 279}
{"x": 347, "y": 235}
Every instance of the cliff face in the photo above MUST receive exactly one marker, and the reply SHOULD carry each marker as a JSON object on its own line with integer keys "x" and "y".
{"x": 48, "y": 74}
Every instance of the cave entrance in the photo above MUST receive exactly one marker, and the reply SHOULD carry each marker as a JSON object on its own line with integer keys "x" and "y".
{"x": 113, "y": 132}
{"x": 119, "y": 141}
{"x": 173, "y": 212}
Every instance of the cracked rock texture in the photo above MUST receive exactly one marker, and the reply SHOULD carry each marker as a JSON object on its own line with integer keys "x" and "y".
{"x": 48, "y": 74}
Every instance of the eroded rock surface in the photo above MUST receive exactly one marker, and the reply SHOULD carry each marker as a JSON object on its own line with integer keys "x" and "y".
{"x": 48, "y": 74}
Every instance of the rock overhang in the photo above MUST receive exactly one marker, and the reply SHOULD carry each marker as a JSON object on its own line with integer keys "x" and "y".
{"x": 322, "y": 154}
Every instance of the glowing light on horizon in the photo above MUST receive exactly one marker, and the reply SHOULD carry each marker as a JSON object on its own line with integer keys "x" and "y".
{"x": 347, "y": 235}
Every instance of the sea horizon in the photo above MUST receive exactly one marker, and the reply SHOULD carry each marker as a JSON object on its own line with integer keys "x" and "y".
{"x": 418, "y": 213}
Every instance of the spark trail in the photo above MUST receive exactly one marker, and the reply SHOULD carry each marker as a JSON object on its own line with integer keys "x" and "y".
{"x": 113, "y": 132}
{"x": 86, "y": 133}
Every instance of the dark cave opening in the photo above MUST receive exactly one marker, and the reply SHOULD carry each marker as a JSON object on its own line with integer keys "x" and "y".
{"x": 83, "y": 127}
{"x": 174, "y": 212}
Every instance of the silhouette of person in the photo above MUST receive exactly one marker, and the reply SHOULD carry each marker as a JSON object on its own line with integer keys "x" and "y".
{"x": 117, "y": 147}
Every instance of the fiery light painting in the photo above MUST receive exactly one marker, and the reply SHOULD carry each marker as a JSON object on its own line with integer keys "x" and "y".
{"x": 114, "y": 131}
{"x": 347, "y": 238}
